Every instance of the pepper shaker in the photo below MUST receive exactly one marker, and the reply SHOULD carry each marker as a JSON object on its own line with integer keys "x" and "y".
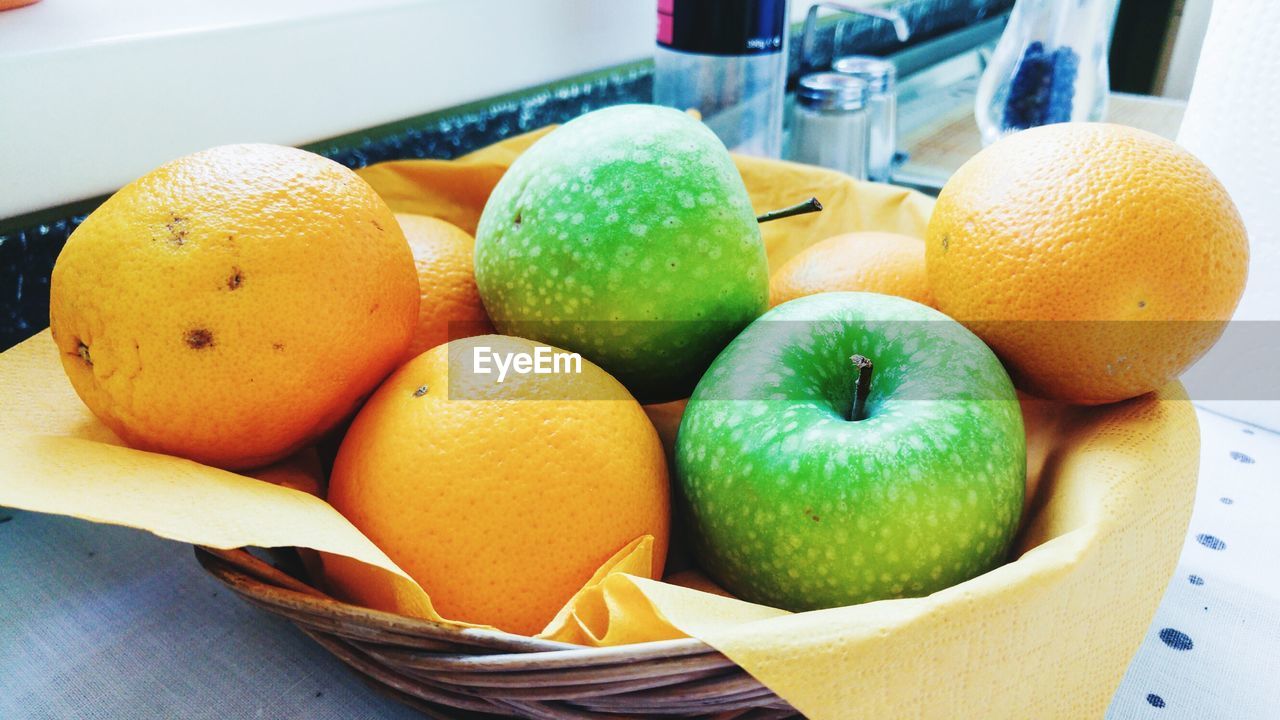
{"x": 882, "y": 109}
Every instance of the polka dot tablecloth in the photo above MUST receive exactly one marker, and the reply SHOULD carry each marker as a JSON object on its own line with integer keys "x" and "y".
{"x": 107, "y": 622}
{"x": 1213, "y": 649}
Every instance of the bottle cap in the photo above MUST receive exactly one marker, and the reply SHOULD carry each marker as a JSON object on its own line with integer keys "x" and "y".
{"x": 722, "y": 27}
{"x": 877, "y": 73}
{"x": 831, "y": 91}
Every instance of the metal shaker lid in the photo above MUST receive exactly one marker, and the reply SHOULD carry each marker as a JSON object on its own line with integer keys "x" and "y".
{"x": 878, "y": 73}
{"x": 831, "y": 91}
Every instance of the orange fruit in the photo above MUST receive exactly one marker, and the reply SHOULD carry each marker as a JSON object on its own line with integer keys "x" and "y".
{"x": 878, "y": 262}
{"x": 500, "y": 499}
{"x": 1098, "y": 261}
{"x": 302, "y": 471}
{"x": 450, "y": 306}
{"x": 234, "y": 304}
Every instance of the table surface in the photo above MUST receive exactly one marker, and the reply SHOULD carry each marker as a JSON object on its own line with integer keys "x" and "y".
{"x": 106, "y": 622}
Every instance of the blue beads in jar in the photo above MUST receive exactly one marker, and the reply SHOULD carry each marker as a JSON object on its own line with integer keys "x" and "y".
{"x": 1043, "y": 87}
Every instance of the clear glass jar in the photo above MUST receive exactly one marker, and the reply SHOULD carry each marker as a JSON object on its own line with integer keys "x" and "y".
{"x": 728, "y": 61}
{"x": 882, "y": 109}
{"x": 830, "y": 127}
{"x": 1050, "y": 66}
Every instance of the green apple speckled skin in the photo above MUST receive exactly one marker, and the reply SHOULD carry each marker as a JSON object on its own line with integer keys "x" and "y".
{"x": 627, "y": 236}
{"x": 793, "y": 505}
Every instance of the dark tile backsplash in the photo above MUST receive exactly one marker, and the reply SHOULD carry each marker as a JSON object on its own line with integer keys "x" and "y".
{"x": 28, "y": 250}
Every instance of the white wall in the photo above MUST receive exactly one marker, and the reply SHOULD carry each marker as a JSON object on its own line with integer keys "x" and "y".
{"x": 95, "y": 93}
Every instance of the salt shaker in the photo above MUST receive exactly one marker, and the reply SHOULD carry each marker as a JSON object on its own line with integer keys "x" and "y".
{"x": 830, "y": 126}
{"x": 882, "y": 109}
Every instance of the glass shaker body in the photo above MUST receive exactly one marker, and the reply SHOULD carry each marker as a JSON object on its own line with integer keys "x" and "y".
{"x": 728, "y": 61}
{"x": 882, "y": 110}
{"x": 830, "y": 126}
{"x": 1050, "y": 66}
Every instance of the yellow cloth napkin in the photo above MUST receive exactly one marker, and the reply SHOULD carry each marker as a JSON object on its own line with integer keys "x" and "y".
{"x": 1047, "y": 636}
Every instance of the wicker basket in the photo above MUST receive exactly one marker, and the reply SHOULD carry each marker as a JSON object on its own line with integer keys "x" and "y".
{"x": 1114, "y": 502}
{"x": 447, "y": 672}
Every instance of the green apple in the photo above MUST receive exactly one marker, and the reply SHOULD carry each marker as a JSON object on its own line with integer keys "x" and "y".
{"x": 625, "y": 235}
{"x": 798, "y": 498}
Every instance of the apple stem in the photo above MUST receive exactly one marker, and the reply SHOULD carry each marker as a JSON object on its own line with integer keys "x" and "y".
{"x": 808, "y": 206}
{"x": 862, "y": 389}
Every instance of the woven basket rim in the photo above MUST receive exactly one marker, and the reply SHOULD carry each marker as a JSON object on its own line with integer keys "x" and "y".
{"x": 440, "y": 669}
{"x": 553, "y": 652}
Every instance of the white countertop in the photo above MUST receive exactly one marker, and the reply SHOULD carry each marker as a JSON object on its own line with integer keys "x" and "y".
{"x": 95, "y": 93}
